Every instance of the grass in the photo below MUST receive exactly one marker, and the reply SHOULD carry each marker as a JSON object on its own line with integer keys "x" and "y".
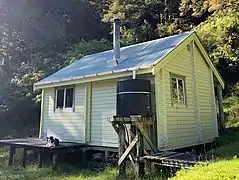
{"x": 227, "y": 164}
{"x": 224, "y": 169}
{"x": 33, "y": 172}
{"x": 229, "y": 144}
{"x": 66, "y": 172}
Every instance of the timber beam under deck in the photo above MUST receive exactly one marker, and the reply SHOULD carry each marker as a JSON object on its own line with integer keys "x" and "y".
{"x": 141, "y": 156}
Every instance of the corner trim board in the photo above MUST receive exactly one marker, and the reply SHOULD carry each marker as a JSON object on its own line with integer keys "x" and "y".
{"x": 88, "y": 94}
{"x": 197, "y": 111}
{"x": 214, "y": 112}
{"x": 41, "y": 118}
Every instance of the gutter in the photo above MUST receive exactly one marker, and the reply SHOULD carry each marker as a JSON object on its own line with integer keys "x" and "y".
{"x": 37, "y": 86}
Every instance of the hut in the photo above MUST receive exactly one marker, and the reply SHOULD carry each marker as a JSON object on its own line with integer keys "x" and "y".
{"x": 78, "y": 100}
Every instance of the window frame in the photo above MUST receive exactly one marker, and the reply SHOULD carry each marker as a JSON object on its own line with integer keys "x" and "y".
{"x": 64, "y": 97}
{"x": 178, "y": 77}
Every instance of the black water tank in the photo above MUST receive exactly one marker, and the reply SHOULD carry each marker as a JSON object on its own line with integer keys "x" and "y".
{"x": 133, "y": 98}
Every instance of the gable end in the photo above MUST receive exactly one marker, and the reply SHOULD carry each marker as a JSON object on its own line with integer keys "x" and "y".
{"x": 178, "y": 49}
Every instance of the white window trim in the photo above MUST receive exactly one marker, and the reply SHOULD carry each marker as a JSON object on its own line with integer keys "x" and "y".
{"x": 177, "y": 77}
{"x": 64, "y": 98}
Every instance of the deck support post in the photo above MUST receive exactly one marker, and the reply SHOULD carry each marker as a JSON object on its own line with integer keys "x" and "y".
{"x": 140, "y": 152}
{"x": 54, "y": 161}
{"x": 132, "y": 135}
{"x": 220, "y": 107}
{"x": 39, "y": 159}
{"x": 41, "y": 149}
{"x": 83, "y": 158}
{"x": 107, "y": 154}
{"x": 11, "y": 154}
{"x": 122, "y": 167}
{"x": 24, "y": 157}
{"x": 133, "y": 146}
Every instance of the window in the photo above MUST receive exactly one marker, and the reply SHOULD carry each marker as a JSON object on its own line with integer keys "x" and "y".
{"x": 64, "y": 97}
{"x": 178, "y": 90}
{"x": 60, "y": 98}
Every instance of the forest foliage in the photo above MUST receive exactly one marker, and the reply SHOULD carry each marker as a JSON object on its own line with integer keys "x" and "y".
{"x": 38, "y": 37}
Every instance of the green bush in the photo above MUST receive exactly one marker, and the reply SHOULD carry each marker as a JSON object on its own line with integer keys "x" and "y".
{"x": 231, "y": 105}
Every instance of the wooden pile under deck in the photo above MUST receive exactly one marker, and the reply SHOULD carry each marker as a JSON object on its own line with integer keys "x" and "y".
{"x": 40, "y": 146}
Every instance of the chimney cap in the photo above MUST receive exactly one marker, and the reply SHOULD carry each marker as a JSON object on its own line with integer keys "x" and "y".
{"x": 117, "y": 20}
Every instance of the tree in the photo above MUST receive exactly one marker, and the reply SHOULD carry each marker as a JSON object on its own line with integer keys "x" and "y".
{"x": 86, "y": 48}
{"x": 34, "y": 39}
{"x": 220, "y": 34}
{"x": 142, "y": 20}
{"x": 38, "y": 37}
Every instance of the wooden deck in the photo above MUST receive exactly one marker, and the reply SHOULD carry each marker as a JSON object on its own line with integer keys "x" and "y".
{"x": 38, "y": 143}
{"x": 167, "y": 158}
{"x": 173, "y": 159}
{"x": 40, "y": 146}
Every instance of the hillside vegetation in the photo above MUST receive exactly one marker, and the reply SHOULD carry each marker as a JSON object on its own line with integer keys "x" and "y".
{"x": 39, "y": 37}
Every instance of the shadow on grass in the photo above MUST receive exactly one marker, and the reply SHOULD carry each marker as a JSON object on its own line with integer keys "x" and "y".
{"x": 65, "y": 171}
{"x": 228, "y": 143}
{"x": 16, "y": 172}
{"x": 230, "y": 135}
{"x": 226, "y": 165}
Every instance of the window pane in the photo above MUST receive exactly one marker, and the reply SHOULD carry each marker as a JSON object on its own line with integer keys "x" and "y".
{"x": 60, "y": 98}
{"x": 174, "y": 91}
{"x": 69, "y": 98}
{"x": 181, "y": 91}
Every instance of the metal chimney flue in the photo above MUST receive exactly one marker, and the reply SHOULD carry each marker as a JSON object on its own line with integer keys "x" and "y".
{"x": 116, "y": 39}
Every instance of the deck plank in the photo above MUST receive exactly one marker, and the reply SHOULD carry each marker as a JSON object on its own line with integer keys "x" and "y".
{"x": 38, "y": 143}
{"x": 40, "y": 146}
{"x": 173, "y": 159}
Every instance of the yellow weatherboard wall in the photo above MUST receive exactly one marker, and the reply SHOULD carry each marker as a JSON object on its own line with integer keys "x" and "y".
{"x": 181, "y": 119}
{"x": 204, "y": 89}
{"x": 65, "y": 124}
{"x": 195, "y": 122}
{"x": 103, "y": 107}
{"x": 95, "y": 103}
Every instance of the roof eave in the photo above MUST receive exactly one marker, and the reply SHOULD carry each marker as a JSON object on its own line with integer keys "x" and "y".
{"x": 94, "y": 77}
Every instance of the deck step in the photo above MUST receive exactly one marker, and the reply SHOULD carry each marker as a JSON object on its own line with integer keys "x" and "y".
{"x": 173, "y": 159}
